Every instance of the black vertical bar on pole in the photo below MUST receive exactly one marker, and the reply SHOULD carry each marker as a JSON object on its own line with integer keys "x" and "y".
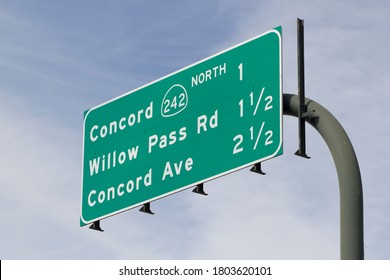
{"x": 301, "y": 90}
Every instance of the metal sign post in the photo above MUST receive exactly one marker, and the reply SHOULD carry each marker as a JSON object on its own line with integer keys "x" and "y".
{"x": 350, "y": 184}
{"x": 348, "y": 172}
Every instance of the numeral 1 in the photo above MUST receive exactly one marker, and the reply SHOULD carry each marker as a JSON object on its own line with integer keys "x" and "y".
{"x": 240, "y": 69}
{"x": 241, "y": 103}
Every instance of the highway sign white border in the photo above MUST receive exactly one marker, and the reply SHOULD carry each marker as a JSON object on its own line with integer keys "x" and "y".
{"x": 207, "y": 179}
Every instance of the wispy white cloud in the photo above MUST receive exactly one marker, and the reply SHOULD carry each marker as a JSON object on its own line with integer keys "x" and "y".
{"x": 54, "y": 64}
{"x": 345, "y": 71}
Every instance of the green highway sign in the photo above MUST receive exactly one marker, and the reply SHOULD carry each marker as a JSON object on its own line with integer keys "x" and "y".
{"x": 211, "y": 118}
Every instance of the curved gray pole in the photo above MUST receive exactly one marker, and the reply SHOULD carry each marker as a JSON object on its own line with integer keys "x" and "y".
{"x": 350, "y": 184}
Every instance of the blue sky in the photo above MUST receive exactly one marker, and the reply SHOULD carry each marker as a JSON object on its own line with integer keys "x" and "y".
{"x": 60, "y": 58}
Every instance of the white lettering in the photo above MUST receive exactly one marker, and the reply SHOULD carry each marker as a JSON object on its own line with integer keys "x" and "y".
{"x": 129, "y": 186}
{"x": 93, "y": 138}
{"x": 167, "y": 170}
{"x": 149, "y": 111}
{"x": 112, "y": 193}
{"x": 222, "y": 69}
{"x": 94, "y": 166}
{"x": 103, "y": 131}
{"x": 120, "y": 190}
{"x": 208, "y": 75}
{"x": 91, "y": 203}
{"x": 103, "y": 163}
{"x": 166, "y": 140}
{"x": 188, "y": 165}
{"x": 122, "y": 126}
{"x": 182, "y": 133}
{"x": 101, "y": 197}
{"x": 131, "y": 120}
{"x": 132, "y": 153}
{"x": 152, "y": 142}
{"x": 112, "y": 128}
{"x": 202, "y": 122}
{"x": 177, "y": 168}
{"x": 122, "y": 157}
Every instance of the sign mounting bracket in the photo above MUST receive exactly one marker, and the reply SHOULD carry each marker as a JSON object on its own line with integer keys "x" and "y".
{"x": 257, "y": 168}
{"x": 146, "y": 209}
{"x": 96, "y": 226}
{"x": 302, "y": 113}
{"x": 199, "y": 189}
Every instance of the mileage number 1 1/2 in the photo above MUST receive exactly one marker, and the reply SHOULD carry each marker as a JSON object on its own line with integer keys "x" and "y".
{"x": 254, "y": 105}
